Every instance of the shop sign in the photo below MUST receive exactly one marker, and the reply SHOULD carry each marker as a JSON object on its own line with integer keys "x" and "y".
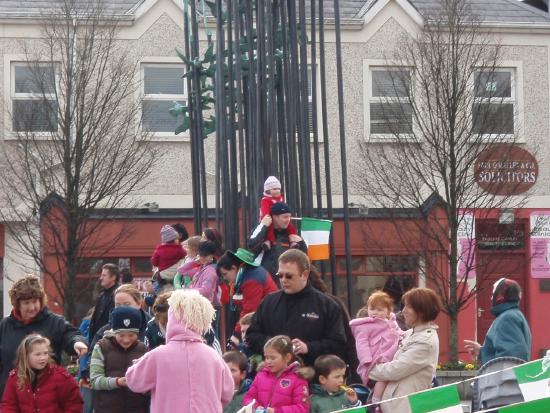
{"x": 492, "y": 235}
{"x": 540, "y": 240}
{"x": 506, "y": 170}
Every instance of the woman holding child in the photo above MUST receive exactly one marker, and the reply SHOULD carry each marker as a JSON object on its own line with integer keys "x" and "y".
{"x": 414, "y": 363}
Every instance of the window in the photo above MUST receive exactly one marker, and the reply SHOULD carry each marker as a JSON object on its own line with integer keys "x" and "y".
{"x": 389, "y": 103}
{"x": 34, "y": 105}
{"x": 493, "y": 109}
{"x": 163, "y": 84}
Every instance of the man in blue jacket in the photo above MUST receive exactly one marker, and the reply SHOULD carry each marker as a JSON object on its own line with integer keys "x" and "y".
{"x": 509, "y": 335}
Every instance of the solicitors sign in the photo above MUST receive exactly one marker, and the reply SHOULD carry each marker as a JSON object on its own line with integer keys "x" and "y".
{"x": 505, "y": 169}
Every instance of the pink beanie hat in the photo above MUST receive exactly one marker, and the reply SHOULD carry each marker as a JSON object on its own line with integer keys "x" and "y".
{"x": 167, "y": 234}
{"x": 271, "y": 183}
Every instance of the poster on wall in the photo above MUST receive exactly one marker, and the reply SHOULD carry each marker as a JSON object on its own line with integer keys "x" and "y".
{"x": 466, "y": 247}
{"x": 540, "y": 248}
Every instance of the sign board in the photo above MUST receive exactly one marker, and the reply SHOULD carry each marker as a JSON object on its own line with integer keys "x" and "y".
{"x": 506, "y": 169}
{"x": 540, "y": 244}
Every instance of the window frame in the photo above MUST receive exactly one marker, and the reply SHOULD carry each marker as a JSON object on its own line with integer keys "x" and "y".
{"x": 368, "y": 67}
{"x": 11, "y": 62}
{"x": 166, "y": 62}
{"x": 513, "y": 99}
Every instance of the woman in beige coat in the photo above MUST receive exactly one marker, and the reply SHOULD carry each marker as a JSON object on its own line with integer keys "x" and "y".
{"x": 413, "y": 366}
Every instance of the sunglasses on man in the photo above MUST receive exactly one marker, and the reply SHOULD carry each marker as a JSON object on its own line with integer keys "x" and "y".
{"x": 287, "y": 276}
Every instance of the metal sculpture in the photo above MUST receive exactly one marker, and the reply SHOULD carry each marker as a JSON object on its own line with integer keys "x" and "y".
{"x": 260, "y": 73}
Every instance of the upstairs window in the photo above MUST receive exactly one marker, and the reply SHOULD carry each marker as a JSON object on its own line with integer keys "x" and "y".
{"x": 163, "y": 84}
{"x": 493, "y": 109}
{"x": 389, "y": 103}
{"x": 34, "y": 104}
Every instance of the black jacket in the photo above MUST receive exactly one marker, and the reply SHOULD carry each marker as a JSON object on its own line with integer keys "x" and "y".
{"x": 102, "y": 310}
{"x": 270, "y": 260}
{"x": 308, "y": 315}
{"x": 12, "y": 331}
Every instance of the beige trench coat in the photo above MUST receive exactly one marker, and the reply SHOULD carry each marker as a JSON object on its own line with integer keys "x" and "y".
{"x": 412, "y": 368}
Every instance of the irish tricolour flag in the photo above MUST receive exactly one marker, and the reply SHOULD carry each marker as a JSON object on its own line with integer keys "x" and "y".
{"x": 438, "y": 400}
{"x": 533, "y": 406}
{"x": 316, "y": 234}
{"x": 533, "y": 379}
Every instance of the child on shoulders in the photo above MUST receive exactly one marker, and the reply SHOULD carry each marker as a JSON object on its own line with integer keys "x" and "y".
{"x": 377, "y": 336}
{"x": 329, "y": 392}
{"x": 279, "y": 384}
{"x": 166, "y": 257}
{"x": 272, "y": 195}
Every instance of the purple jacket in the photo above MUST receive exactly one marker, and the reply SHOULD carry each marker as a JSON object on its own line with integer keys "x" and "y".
{"x": 183, "y": 376}
{"x": 376, "y": 341}
{"x": 287, "y": 393}
{"x": 205, "y": 281}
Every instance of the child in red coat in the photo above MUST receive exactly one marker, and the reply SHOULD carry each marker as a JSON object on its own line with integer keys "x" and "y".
{"x": 278, "y": 388}
{"x": 37, "y": 384}
{"x": 166, "y": 257}
{"x": 272, "y": 195}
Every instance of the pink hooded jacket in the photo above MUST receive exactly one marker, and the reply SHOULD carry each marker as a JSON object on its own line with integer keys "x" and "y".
{"x": 287, "y": 393}
{"x": 184, "y": 376}
{"x": 376, "y": 341}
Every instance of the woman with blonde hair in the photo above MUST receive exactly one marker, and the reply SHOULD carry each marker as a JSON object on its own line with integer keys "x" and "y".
{"x": 185, "y": 375}
{"x": 126, "y": 295}
{"x": 30, "y": 314}
{"x": 37, "y": 384}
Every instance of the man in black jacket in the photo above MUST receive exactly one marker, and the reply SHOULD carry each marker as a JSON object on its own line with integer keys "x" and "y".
{"x": 280, "y": 219}
{"x": 106, "y": 301}
{"x": 311, "y": 319}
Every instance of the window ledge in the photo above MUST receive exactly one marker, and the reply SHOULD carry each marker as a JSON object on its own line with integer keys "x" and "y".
{"x": 387, "y": 138}
{"x": 169, "y": 137}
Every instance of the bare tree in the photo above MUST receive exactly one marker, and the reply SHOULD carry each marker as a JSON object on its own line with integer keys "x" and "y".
{"x": 442, "y": 108}
{"x": 77, "y": 141}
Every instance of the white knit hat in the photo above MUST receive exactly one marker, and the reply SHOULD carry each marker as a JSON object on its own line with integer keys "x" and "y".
{"x": 167, "y": 234}
{"x": 191, "y": 309}
{"x": 271, "y": 183}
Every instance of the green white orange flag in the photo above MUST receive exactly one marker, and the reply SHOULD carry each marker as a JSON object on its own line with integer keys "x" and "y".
{"x": 534, "y": 406}
{"x": 533, "y": 379}
{"x": 316, "y": 234}
{"x": 438, "y": 400}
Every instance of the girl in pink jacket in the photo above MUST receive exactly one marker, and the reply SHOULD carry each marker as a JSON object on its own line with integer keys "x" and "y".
{"x": 277, "y": 387}
{"x": 185, "y": 375}
{"x": 377, "y": 336}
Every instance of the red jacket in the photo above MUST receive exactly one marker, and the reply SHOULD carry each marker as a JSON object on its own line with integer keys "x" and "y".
{"x": 267, "y": 202}
{"x": 166, "y": 255}
{"x": 287, "y": 393}
{"x": 56, "y": 392}
{"x": 253, "y": 284}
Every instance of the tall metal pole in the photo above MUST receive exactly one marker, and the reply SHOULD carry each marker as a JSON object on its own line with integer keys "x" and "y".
{"x": 343, "y": 157}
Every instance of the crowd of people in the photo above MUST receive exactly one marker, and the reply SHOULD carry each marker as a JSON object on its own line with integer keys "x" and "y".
{"x": 292, "y": 350}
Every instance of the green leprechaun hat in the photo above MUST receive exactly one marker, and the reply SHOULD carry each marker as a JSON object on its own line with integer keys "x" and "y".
{"x": 245, "y": 256}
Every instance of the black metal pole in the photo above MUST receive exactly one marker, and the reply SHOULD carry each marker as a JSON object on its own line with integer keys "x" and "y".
{"x": 343, "y": 157}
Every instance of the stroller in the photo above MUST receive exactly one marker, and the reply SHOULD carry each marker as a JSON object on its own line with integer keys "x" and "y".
{"x": 499, "y": 389}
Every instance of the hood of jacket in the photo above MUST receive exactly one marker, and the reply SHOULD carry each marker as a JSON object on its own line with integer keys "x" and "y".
{"x": 178, "y": 331}
{"x": 500, "y": 308}
{"x": 372, "y": 320}
{"x": 15, "y": 316}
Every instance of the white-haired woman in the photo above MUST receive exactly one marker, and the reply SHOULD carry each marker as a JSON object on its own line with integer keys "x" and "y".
{"x": 185, "y": 375}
